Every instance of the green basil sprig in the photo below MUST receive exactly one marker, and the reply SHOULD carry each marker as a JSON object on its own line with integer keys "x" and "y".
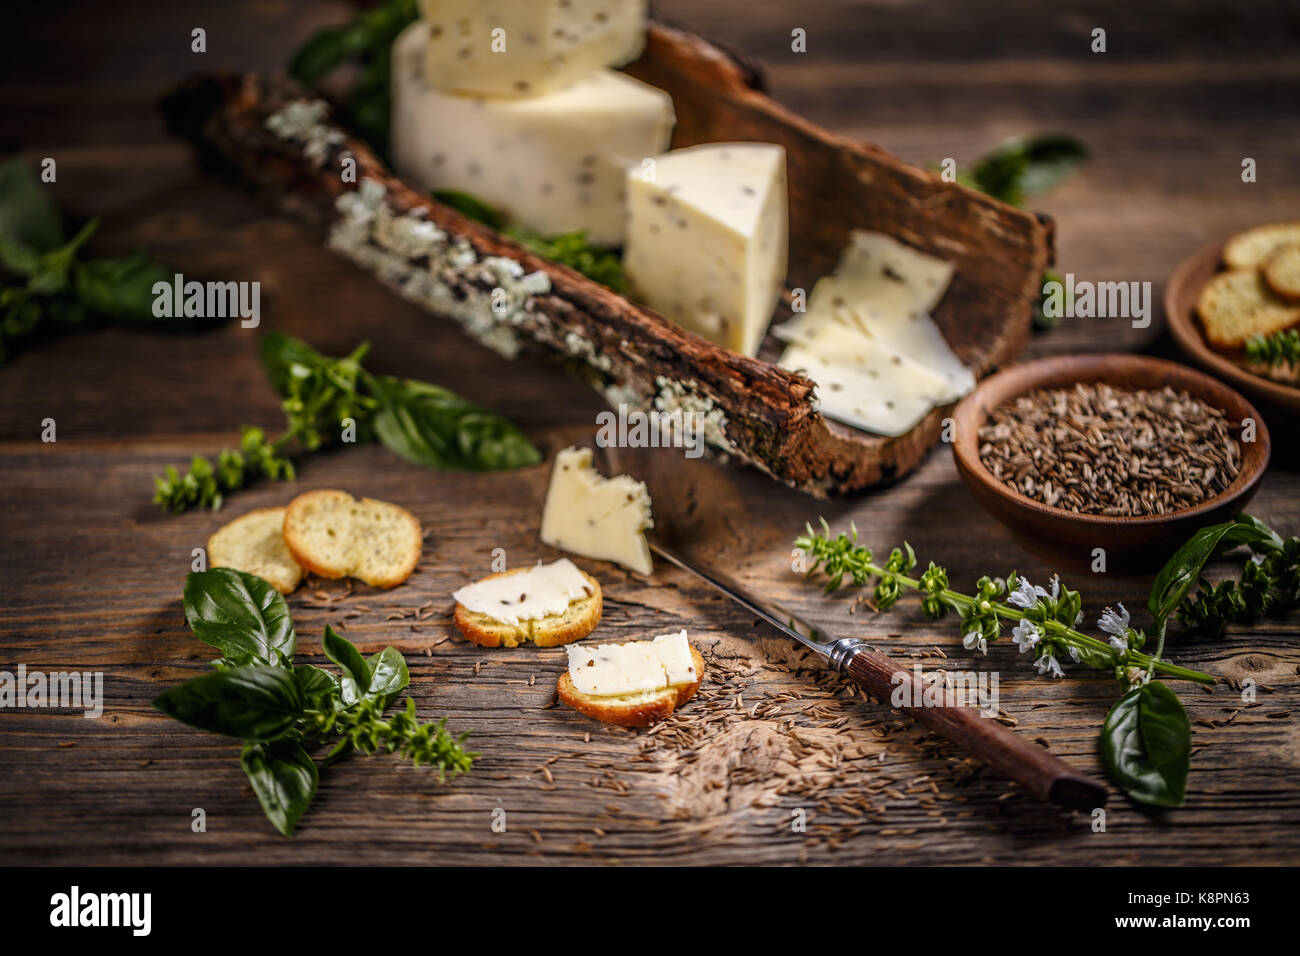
{"x": 279, "y": 711}
{"x": 425, "y": 424}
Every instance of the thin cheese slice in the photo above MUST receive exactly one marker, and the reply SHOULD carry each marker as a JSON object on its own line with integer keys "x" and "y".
{"x": 874, "y": 254}
{"x": 539, "y": 592}
{"x": 867, "y": 386}
{"x": 882, "y": 311}
{"x": 596, "y": 517}
{"x": 616, "y": 670}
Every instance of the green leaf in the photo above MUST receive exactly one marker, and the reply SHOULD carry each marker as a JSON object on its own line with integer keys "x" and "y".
{"x": 1024, "y": 167}
{"x": 284, "y": 777}
{"x": 53, "y": 270}
{"x": 470, "y": 207}
{"x": 575, "y": 250}
{"x": 1183, "y": 569}
{"x": 123, "y": 290}
{"x": 29, "y": 221}
{"x": 431, "y": 426}
{"x": 240, "y": 614}
{"x": 1146, "y": 744}
{"x": 319, "y": 687}
{"x": 254, "y": 702}
{"x": 356, "y": 672}
{"x": 389, "y": 674}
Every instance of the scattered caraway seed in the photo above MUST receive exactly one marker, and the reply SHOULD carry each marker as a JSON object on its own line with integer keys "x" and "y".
{"x": 1096, "y": 449}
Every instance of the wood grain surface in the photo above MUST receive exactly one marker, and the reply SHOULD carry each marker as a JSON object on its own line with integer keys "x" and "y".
{"x": 92, "y": 573}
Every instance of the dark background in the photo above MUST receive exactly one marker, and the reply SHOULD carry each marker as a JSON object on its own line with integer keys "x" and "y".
{"x": 90, "y": 573}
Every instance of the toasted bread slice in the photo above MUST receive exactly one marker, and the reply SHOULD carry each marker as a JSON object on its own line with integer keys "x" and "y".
{"x": 1252, "y": 248}
{"x": 578, "y": 620}
{"x": 631, "y": 710}
{"x": 1282, "y": 273}
{"x": 332, "y": 534}
{"x": 254, "y": 543}
{"x": 1235, "y": 306}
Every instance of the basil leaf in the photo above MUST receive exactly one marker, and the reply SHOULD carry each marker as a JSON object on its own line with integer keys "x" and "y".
{"x": 280, "y": 353}
{"x": 255, "y": 702}
{"x": 388, "y": 674}
{"x": 240, "y": 614}
{"x": 433, "y": 427}
{"x": 284, "y": 777}
{"x": 1183, "y": 569}
{"x": 1024, "y": 167}
{"x": 122, "y": 290}
{"x": 356, "y": 672}
{"x": 319, "y": 687}
{"x": 1146, "y": 744}
{"x": 29, "y": 222}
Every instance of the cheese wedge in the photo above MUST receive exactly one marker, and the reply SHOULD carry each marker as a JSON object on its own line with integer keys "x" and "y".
{"x": 597, "y": 517}
{"x": 528, "y": 47}
{"x": 615, "y": 670}
{"x": 707, "y": 239}
{"x": 553, "y": 164}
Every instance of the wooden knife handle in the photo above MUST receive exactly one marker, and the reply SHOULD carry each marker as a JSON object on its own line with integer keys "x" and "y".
{"x": 1045, "y": 776}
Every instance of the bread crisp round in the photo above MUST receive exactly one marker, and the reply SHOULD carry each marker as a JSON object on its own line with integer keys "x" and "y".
{"x": 1235, "y": 306}
{"x": 573, "y": 624}
{"x": 1252, "y": 248}
{"x": 1282, "y": 273}
{"x": 332, "y": 534}
{"x": 631, "y": 710}
{"x": 254, "y": 543}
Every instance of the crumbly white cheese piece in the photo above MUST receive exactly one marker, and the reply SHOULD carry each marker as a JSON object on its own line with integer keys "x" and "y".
{"x": 539, "y": 592}
{"x": 554, "y": 163}
{"x": 597, "y": 517}
{"x": 615, "y": 670}
{"x": 527, "y": 47}
{"x": 707, "y": 239}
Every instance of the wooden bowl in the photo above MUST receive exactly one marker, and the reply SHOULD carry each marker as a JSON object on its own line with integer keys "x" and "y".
{"x": 1068, "y": 540}
{"x": 1181, "y": 293}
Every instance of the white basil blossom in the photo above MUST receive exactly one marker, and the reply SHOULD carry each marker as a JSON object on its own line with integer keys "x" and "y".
{"x": 1026, "y": 635}
{"x": 973, "y": 641}
{"x": 1047, "y": 665}
{"x": 1116, "y": 625}
{"x": 1025, "y": 595}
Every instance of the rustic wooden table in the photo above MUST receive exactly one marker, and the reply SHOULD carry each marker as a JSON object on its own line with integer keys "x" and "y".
{"x": 92, "y": 573}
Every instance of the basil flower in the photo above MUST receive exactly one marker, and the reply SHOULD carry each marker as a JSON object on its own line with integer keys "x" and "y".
{"x": 1047, "y": 665}
{"x": 975, "y": 641}
{"x": 1025, "y": 595}
{"x": 1116, "y": 625}
{"x": 1026, "y": 635}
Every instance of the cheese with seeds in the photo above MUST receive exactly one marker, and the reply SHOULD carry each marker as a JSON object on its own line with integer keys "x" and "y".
{"x": 874, "y": 254}
{"x": 616, "y": 670}
{"x": 527, "y": 47}
{"x": 707, "y": 239}
{"x": 865, "y": 385}
{"x": 597, "y": 517}
{"x": 554, "y": 164}
{"x": 540, "y": 591}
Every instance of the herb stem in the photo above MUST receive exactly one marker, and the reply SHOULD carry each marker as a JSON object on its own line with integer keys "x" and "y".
{"x": 1069, "y": 635}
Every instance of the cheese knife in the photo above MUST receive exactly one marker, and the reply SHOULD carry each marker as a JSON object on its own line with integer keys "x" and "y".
{"x": 1042, "y": 774}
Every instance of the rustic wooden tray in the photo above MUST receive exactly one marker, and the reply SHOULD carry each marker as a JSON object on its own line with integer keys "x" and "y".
{"x": 759, "y": 414}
